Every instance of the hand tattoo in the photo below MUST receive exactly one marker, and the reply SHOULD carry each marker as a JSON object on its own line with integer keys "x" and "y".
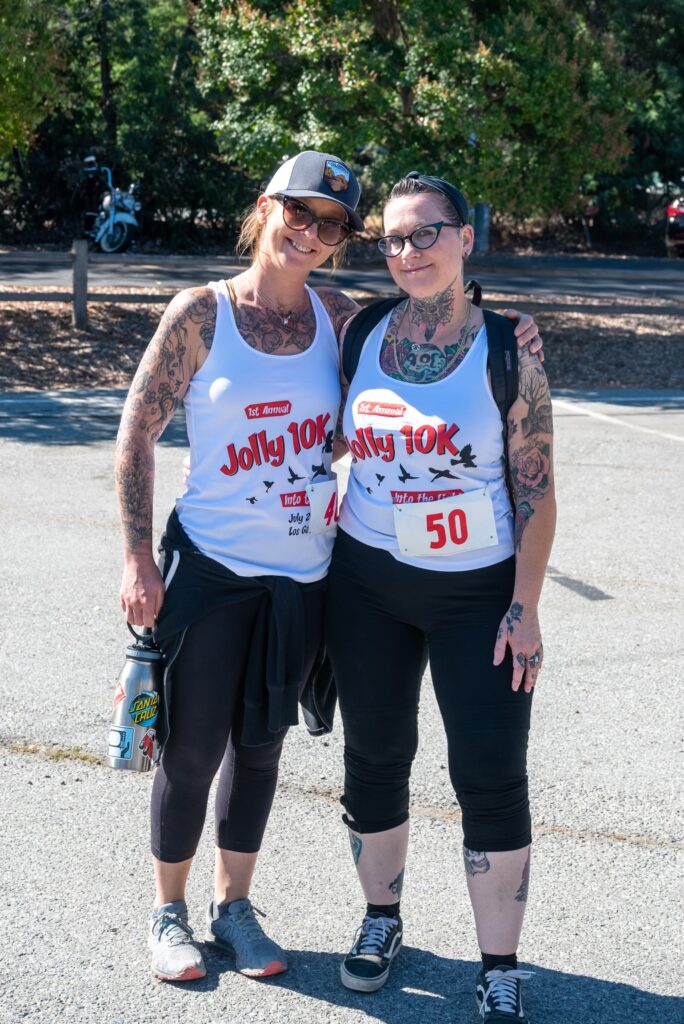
{"x": 513, "y": 615}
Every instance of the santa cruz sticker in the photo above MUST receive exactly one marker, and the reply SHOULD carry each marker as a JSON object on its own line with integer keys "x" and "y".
{"x": 144, "y": 708}
{"x": 336, "y": 175}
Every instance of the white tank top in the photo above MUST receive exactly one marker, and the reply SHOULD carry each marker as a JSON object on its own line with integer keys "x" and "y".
{"x": 261, "y": 429}
{"x": 415, "y": 443}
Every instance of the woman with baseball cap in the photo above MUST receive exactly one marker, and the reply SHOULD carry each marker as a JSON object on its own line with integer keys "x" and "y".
{"x": 437, "y": 559}
{"x": 237, "y": 605}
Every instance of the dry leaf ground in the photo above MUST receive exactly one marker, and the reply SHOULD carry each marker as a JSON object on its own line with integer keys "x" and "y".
{"x": 588, "y": 342}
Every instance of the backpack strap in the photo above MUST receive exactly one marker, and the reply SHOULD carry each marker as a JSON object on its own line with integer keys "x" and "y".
{"x": 360, "y": 327}
{"x": 502, "y": 362}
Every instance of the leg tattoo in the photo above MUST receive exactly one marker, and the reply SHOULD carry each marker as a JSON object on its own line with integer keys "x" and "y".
{"x": 475, "y": 863}
{"x": 356, "y": 846}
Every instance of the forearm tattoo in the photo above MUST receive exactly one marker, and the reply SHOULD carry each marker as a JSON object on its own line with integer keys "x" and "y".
{"x": 475, "y": 863}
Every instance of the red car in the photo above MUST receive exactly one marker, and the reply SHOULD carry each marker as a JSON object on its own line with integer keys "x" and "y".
{"x": 674, "y": 230}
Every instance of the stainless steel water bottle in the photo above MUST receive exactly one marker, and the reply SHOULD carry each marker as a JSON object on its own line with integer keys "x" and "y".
{"x": 137, "y": 703}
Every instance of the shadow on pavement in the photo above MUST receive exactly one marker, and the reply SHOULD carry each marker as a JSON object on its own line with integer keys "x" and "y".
{"x": 426, "y": 987}
{"x": 627, "y": 397}
{"x": 72, "y": 418}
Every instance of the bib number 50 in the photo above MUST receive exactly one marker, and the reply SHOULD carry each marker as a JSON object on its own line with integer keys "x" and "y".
{"x": 456, "y": 524}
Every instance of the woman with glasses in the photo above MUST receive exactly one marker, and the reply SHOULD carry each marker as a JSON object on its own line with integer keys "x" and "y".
{"x": 238, "y": 604}
{"x": 437, "y": 560}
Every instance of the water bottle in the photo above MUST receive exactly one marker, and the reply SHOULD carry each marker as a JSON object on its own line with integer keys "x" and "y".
{"x": 137, "y": 703}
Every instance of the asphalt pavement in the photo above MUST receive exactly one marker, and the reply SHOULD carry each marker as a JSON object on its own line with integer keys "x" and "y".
{"x": 603, "y": 932}
{"x": 544, "y": 276}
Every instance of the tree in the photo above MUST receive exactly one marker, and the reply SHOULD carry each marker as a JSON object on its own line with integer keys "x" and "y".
{"x": 516, "y": 101}
{"x": 28, "y": 83}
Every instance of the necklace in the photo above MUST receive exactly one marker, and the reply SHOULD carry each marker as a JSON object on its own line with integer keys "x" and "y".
{"x": 284, "y": 318}
{"x": 449, "y": 360}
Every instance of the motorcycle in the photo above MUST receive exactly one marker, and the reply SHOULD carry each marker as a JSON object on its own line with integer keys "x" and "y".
{"x": 115, "y": 224}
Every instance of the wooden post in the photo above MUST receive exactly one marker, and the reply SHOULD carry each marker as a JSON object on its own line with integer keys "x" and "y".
{"x": 79, "y": 313}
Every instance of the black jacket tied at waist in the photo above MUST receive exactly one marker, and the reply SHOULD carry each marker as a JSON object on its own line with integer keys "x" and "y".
{"x": 273, "y": 680}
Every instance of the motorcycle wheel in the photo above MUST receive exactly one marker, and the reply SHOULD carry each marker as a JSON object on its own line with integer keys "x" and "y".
{"x": 118, "y": 239}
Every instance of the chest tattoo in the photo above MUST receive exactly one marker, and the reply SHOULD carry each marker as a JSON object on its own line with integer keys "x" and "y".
{"x": 421, "y": 362}
{"x": 264, "y": 330}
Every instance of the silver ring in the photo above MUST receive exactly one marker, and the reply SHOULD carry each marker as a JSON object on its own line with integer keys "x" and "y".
{"x": 535, "y": 659}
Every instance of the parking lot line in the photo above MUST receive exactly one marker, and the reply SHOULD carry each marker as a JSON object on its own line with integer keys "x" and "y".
{"x": 576, "y": 407}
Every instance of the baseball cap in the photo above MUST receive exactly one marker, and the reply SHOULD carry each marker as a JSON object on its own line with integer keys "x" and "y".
{"x": 312, "y": 175}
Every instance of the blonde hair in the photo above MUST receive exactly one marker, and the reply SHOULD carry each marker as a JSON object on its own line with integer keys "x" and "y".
{"x": 250, "y": 237}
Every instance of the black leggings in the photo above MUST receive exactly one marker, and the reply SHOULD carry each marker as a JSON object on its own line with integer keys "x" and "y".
{"x": 206, "y": 707}
{"x": 384, "y": 618}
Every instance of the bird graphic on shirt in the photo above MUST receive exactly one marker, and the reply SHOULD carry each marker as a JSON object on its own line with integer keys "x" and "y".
{"x": 465, "y": 458}
{"x": 293, "y": 476}
{"x": 318, "y": 471}
{"x": 404, "y": 476}
{"x": 252, "y": 501}
{"x": 440, "y": 474}
{"x": 268, "y": 484}
{"x": 370, "y": 490}
{"x": 328, "y": 446}
{"x": 380, "y": 478}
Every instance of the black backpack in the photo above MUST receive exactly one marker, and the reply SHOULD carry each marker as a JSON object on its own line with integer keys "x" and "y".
{"x": 502, "y": 359}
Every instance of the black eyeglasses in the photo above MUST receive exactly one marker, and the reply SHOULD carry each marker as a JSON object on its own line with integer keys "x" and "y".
{"x": 298, "y": 216}
{"x": 421, "y": 238}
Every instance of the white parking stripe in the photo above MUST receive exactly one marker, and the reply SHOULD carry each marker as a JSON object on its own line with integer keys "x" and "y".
{"x": 574, "y": 407}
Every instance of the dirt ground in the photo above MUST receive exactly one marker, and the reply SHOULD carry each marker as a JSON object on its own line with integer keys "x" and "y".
{"x": 588, "y": 342}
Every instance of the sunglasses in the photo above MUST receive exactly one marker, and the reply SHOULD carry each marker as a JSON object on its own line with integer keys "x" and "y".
{"x": 421, "y": 238}
{"x": 298, "y": 217}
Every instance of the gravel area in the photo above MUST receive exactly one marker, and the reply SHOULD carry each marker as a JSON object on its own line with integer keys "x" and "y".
{"x": 589, "y": 342}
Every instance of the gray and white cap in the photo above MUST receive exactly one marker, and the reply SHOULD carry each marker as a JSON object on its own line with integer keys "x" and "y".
{"x": 312, "y": 175}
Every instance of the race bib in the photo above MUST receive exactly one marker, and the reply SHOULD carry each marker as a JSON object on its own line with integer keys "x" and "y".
{"x": 462, "y": 523}
{"x": 323, "y": 502}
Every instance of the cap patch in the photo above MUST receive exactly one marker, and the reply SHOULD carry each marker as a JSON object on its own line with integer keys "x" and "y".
{"x": 336, "y": 175}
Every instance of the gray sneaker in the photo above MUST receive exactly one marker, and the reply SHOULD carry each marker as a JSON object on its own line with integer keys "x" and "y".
{"x": 233, "y": 928}
{"x": 175, "y": 957}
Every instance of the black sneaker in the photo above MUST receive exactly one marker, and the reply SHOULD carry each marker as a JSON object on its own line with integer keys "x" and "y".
{"x": 498, "y": 995}
{"x": 366, "y": 966}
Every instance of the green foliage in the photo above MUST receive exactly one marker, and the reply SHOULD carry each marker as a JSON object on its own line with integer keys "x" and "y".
{"x": 516, "y": 102}
{"x": 129, "y": 95}
{"x": 27, "y": 69}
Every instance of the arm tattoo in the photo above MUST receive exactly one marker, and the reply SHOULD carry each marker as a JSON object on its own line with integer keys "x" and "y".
{"x": 134, "y": 470}
{"x": 157, "y": 389}
{"x": 523, "y": 514}
{"x": 338, "y": 306}
{"x": 397, "y": 885}
{"x": 521, "y": 895}
{"x": 356, "y": 846}
{"x": 475, "y": 863}
{"x": 533, "y": 388}
{"x": 530, "y": 470}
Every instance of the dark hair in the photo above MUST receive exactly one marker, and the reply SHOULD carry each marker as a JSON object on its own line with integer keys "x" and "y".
{"x": 411, "y": 187}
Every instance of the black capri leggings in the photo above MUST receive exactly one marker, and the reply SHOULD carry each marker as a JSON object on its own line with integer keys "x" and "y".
{"x": 206, "y": 708}
{"x": 384, "y": 619}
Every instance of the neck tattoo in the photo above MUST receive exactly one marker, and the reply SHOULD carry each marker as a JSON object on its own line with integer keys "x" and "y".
{"x": 428, "y": 314}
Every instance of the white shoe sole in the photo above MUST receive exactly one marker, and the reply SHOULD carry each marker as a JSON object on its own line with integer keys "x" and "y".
{"x": 362, "y": 984}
